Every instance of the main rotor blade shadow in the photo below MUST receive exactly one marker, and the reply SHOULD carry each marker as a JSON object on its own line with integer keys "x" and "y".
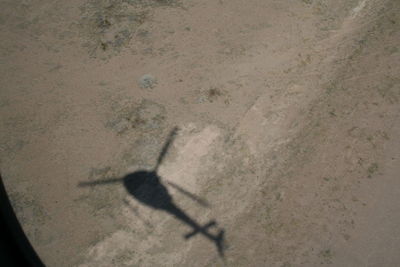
{"x": 136, "y": 212}
{"x": 197, "y": 199}
{"x": 165, "y": 148}
{"x": 101, "y": 182}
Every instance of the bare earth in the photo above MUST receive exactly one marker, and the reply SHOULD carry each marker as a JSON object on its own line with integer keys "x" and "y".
{"x": 288, "y": 116}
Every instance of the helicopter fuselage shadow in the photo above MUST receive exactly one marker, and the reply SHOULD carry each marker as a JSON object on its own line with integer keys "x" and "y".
{"x": 146, "y": 187}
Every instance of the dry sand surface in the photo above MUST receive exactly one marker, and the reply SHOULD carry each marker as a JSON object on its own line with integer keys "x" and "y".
{"x": 288, "y": 117}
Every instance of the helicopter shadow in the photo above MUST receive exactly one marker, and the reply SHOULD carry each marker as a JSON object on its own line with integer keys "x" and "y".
{"x": 146, "y": 187}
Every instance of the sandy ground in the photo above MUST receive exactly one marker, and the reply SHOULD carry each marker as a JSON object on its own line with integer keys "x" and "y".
{"x": 288, "y": 117}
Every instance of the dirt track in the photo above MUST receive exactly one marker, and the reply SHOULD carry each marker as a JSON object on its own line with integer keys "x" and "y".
{"x": 288, "y": 117}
